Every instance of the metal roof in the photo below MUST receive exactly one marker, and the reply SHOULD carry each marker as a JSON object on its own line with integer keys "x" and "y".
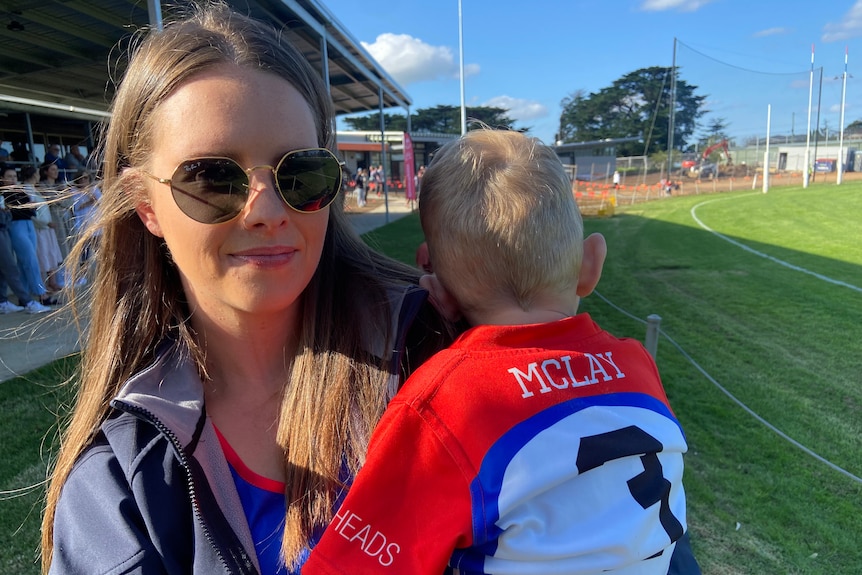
{"x": 59, "y": 57}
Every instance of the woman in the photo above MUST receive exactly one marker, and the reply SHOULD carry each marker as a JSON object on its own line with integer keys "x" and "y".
{"x": 10, "y": 273}
{"x": 22, "y": 232}
{"x": 361, "y": 187}
{"x": 47, "y": 247}
{"x": 51, "y": 186}
{"x": 230, "y": 379}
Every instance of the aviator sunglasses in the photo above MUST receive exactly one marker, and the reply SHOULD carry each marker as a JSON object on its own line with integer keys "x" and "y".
{"x": 215, "y": 190}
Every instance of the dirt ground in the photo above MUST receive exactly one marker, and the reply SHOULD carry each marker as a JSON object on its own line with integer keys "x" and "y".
{"x": 600, "y": 198}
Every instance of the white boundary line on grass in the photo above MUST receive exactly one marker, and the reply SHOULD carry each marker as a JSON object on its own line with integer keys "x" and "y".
{"x": 733, "y": 398}
{"x": 767, "y": 256}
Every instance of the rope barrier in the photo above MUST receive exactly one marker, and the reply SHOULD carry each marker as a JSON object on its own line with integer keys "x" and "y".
{"x": 733, "y": 398}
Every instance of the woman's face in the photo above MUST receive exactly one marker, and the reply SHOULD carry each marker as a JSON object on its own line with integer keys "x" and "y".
{"x": 261, "y": 261}
{"x": 53, "y": 171}
{"x": 10, "y": 177}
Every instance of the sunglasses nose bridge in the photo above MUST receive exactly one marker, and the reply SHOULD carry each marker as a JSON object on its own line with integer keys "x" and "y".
{"x": 269, "y": 168}
{"x": 257, "y": 190}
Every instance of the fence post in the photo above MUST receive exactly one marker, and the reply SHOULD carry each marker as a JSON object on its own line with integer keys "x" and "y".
{"x": 653, "y": 323}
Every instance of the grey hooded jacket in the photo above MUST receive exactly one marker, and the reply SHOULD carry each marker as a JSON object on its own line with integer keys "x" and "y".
{"x": 153, "y": 493}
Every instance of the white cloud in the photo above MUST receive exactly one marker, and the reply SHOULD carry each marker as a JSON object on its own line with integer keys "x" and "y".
{"x": 850, "y": 25}
{"x": 680, "y": 5}
{"x": 409, "y": 60}
{"x": 519, "y": 109}
{"x": 770, "y": 32}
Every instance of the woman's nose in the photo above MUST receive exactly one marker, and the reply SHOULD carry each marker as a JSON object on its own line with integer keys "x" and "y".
{"x": 265, "y": 204}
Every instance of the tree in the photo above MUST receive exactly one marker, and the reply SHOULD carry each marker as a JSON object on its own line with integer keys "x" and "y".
{"x": 371, "y": 122}
{"x": 635, "y": 105}
{"x": 854, "y": 127}
{"x": 440, "y": 119}
{"x": 716, "y": 131}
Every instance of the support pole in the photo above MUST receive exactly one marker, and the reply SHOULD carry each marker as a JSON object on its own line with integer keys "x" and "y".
{"x": 653, "y": 327}
{"x": 841, "y": 137}
{"x": 461, "y": 50}
{"x": 766, "y": 153}
{"x": 807, "y": 165}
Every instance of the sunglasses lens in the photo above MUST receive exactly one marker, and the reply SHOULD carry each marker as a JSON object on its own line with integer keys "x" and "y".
{"x": 210, "y": 190}
{"x": 309, "y": 180}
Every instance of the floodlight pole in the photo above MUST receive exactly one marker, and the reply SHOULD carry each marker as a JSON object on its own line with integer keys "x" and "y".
{"x": 808, "y": 133}
{"x": 671, "y": 113}
{"x": 766, "y": 153}
{"x": 841, "y": 137}
{"x": 461, "y": 50}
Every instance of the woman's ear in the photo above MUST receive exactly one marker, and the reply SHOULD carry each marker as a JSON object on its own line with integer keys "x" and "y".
{"x": 440, "y": 298}
{"x": 148, "y": 217}
{"x": 595, "y": 250}
{"x": 131, "y": 184}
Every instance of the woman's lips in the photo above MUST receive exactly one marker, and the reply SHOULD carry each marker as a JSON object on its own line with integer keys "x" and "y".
{"x": 268, "y": 256}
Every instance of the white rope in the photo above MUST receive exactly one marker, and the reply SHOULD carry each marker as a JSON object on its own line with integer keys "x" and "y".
{"x": 733, "y": 398}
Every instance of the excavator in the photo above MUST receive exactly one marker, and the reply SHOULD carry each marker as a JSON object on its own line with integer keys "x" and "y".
{"x": 705, "y": 169}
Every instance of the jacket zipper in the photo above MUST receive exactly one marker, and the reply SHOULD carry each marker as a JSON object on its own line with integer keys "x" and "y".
{"x": 149, "y": 417}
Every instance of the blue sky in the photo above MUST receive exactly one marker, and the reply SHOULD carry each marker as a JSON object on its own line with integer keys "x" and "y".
{"x": 526, "y": 56}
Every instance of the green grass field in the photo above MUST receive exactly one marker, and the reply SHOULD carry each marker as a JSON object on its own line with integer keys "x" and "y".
{"x": 782, "y": 340}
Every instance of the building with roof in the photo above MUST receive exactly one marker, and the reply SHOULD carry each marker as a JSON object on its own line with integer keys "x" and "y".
{"x": 588, "y": 161}
{"x": 60, "y": 60}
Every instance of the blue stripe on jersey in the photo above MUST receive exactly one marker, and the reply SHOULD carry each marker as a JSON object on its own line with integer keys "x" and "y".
{"x": 485, "y": 488}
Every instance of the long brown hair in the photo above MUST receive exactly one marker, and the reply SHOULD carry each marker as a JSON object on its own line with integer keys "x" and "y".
{"x": 137, "y": 297}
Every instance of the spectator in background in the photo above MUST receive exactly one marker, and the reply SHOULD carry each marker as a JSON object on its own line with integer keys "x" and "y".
{"x": 51, "y": 188}
{"x": 47, "y": 246}
{"x": 75, "y": 160}
{"x": 85, "y": 198}
{"x": 379, "y": 178}
{"x": 54, "y": 155}
{"x": 20, "y": 153}
{"x": 361, "y": 188}
{"x": 10, "y": 275}
{"x": 371, "y": 179}
{"x": 49, "y": 175}
{"x": 22, "y": 232}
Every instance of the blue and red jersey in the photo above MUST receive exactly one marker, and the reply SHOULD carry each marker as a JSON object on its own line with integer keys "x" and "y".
{"x": 532, "y": 449}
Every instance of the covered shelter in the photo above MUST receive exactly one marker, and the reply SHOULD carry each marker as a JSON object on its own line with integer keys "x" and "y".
{"x": 60, "y": 60}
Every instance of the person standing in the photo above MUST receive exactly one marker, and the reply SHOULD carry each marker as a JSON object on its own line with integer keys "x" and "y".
{"x": 361, "y": 180}
{"x": 47, "y": 247}
{"x": 22, "y": 232}
{"x": 379, "y": 179}
{"x": 10, "y": 275}
{"x": 51, "y": 187}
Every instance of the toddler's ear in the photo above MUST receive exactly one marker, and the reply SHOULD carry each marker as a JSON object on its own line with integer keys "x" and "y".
{"x": 440, "y": 297}
{"x": 595, "y": 250}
